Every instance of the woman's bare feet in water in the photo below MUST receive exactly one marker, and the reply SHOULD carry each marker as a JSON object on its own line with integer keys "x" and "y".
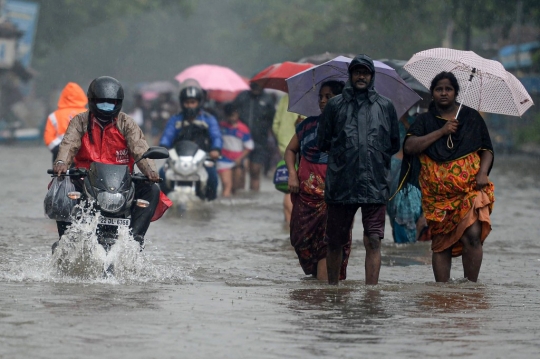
{"x": 322, "y": 273}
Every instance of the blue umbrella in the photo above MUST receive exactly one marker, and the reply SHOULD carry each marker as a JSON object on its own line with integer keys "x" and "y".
{"x": 304, "y": 86}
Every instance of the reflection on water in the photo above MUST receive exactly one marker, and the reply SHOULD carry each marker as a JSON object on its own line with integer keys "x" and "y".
{"x": 194, "y": 211}
{"x": 340, "y": 314}
{"x": 452, "y": 301}
{"x": 313, "y": 299}
{"x": 458, "y": 313}
{"x": 99, "y": 298}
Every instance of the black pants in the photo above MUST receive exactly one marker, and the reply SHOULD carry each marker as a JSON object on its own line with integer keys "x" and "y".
{"x": 140, "y": 217}
{"x": 340, "y": 221}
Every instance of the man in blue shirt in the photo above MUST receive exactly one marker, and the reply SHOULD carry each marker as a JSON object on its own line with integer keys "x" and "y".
{"x": 197, "y": 125}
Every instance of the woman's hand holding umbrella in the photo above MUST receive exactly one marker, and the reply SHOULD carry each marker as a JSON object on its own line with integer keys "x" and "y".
{"x": 450, "y": 127}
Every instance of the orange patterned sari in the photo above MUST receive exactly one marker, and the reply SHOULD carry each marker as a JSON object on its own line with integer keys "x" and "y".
{"x": 450, "y": 202}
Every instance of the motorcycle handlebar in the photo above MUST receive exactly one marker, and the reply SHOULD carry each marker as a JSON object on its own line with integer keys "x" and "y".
{"x": 82, "y": 172}
{"x": 141, "y": 177}
{"x": 74, "y": 172}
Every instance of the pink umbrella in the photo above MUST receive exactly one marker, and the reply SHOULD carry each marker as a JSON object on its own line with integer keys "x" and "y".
{"x": 214, "y": 77}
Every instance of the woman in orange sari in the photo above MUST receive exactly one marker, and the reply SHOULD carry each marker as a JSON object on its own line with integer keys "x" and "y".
{"x": 455, "y": 157}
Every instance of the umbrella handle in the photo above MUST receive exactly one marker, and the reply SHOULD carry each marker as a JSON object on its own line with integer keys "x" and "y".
{"x": 449, "y": 142}
{"x": 466, "y": 90}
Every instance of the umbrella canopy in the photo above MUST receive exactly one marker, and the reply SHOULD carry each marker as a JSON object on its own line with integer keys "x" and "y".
{"x": 484, "y": 84}
{"x": 304, "y": 87}
{"x": 214, "y": 77}
{"x": 407, "y": 77}
{"x": 274, "y": 75}
{"x": 325, "y": 56}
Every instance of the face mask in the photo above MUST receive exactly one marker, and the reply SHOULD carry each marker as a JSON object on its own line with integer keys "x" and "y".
{"x": 105, "y": 106}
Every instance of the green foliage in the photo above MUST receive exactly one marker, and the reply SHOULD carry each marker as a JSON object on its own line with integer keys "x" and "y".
{"x": 61, "y": 20}
{"x": 528, "y": 132}
{"x": 390, "y": 28}
{"x": 307, "y": 27}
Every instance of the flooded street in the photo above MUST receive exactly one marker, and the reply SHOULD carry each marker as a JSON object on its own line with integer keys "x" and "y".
{"x": 222, "y": 281}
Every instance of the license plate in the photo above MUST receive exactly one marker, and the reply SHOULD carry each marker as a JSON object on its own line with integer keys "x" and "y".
{"x": 114, "y": 221}
{"x": 191, "y": 178}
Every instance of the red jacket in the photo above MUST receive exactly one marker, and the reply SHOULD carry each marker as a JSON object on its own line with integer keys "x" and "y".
{"x": 108, "y": 146}
{"x": 118, "y": 143}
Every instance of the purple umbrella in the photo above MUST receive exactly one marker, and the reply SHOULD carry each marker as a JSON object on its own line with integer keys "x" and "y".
{"x": 304, "y": 86}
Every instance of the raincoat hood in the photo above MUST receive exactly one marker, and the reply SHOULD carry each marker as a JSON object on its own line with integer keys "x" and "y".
{"x": 363, "y": 60}
{"x": 72, "y": 96}
{"x": 349, "y": 91}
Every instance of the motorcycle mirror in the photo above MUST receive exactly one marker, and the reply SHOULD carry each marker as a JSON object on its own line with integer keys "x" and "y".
{"x": 155, "y": 153}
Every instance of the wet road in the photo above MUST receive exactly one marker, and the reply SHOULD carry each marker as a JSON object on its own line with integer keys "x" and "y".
{"x": 223, "y": 282}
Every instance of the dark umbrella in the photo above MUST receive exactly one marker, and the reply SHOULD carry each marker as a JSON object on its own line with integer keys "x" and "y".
{"x": 304, "y": 87}
{"x": 409, "y": 79}
{"x": 324, "y": 57}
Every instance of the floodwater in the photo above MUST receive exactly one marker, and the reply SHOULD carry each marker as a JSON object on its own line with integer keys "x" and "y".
{"x": 223, "y": 282}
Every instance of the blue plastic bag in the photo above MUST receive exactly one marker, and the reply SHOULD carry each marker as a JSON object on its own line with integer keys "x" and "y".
{"x": 281, "y": 177}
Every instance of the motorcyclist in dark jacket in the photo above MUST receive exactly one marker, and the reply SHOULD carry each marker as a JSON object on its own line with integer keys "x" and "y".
{"x": 359, "y": 130}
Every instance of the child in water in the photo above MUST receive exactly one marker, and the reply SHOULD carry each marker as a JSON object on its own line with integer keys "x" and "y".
{"x": 237, "y": 144}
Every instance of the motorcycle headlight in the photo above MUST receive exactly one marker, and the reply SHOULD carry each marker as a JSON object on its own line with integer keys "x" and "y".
{"x": 184, "y": 167}
{"x": 110, "y": 202}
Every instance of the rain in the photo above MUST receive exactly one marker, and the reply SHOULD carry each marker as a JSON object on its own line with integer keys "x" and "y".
{"x": 220, "y": 278}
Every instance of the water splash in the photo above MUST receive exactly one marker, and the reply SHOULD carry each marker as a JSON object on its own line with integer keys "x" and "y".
{"x": 79, "y": 256}
{"x": 78, "y": 253}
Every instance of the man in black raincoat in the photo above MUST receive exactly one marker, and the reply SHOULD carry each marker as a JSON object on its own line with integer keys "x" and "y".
{"x": 359, "y": 130}
{"x": 256, "y": 109}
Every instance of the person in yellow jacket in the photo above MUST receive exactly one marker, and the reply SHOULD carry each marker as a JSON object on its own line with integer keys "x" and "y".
{"x": 284, "y": 128}
{"x": 72, "y": 101}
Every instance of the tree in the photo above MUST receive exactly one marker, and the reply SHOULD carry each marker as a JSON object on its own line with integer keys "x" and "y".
{"x": 390, "y": 28}
{"x": 61, "y": 20}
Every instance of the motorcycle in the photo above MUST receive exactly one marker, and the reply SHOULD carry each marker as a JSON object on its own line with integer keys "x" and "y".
{"x": 108, "y": 190}
{"x": 185, "y": 175}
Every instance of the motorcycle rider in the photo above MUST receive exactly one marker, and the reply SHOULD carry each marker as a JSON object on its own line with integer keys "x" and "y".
{"x": 194, "y": 124}
{"x": 106, "y": 135}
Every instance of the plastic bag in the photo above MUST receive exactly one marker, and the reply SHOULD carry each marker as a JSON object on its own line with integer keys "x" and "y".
{"x": 281, "y": 177}
{"x": 57, "y": 204}
{"x": 408, "y": 204}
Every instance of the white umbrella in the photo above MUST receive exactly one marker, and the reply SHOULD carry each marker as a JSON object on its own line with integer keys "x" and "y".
{"x": 485, "y": 85}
